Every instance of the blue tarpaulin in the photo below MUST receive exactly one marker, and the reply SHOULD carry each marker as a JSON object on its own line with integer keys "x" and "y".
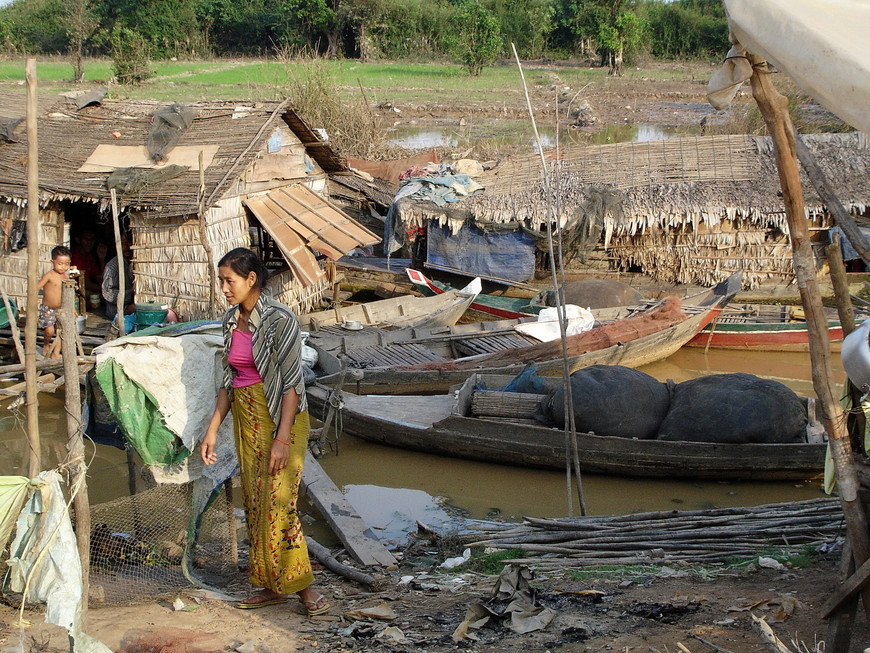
{"x": 509, "y": 256}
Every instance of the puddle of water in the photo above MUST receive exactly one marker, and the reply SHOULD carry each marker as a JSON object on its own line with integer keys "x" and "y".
{"x": 417, "y": 137}
{"x": 393, "y": 513}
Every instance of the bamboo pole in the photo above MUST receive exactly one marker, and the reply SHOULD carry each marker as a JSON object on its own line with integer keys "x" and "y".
{"x": 773, "y": 106}
{"x": 122, "y": 281}
{"x": 77, "y": 469}
{"x": 571, "y": 458}
{"x": 35, "y": 466}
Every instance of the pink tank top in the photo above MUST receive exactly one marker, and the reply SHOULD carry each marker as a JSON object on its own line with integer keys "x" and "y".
{"x": 241, "y": 359}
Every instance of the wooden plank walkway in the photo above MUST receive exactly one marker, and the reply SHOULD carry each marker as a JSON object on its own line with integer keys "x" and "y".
{"x": 350, "y": 528}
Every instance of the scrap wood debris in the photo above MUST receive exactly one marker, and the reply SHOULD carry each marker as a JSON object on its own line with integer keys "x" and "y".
{"x": 698, "y": 537}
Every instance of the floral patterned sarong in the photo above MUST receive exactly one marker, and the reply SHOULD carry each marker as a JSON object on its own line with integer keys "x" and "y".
{"x": 278, "y": 556}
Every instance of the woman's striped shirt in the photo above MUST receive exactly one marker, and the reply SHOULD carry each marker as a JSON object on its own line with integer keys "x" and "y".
{"x": 277, "y": 350}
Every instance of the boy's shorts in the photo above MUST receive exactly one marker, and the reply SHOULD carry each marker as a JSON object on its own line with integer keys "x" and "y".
{"x": 47, "y": 316}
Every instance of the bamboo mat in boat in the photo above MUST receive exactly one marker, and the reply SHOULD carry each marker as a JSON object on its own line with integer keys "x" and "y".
{"x": 398, "y": 355}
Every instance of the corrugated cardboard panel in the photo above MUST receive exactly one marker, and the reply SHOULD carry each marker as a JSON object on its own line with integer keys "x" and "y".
{"x": 296, "y": 252}
{"x": 107, "y": 158}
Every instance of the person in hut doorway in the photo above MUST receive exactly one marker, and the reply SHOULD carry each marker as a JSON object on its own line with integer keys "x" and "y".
{"x": 51, "y": 285}
{"x": 263, "y": 385}
{"x": 111, "y": 282}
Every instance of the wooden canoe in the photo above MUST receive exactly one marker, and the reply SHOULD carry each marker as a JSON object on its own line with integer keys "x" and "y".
{"x": 495, "y": 305}
{"x": 425, "y": 364}
{"x": 761, "y": 327}
{"x": 443, "y": 424}
{"x": 398, "y": 312}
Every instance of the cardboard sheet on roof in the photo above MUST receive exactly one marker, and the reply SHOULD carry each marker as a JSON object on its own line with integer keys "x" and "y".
{"x": 106, "y": 157}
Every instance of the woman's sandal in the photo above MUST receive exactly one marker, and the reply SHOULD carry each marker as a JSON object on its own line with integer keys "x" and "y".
{"x": 257, "y": 601}
{"x": 320, "y": 605}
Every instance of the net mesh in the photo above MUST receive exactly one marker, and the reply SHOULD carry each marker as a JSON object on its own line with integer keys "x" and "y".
{"x": 138, "y": 545}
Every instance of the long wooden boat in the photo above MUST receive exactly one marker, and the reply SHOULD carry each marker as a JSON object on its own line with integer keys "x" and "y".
{"x": 397, "y": 312}
{"x": 445, "y": 424}
{"x": 433, "y": 364}
{"x": 495, "y": 305}
{"x": 763, "y": 328}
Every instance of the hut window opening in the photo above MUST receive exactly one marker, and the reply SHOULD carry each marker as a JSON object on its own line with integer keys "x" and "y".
{"x": 88, "y": 232}
{"x": 266, "y": 247}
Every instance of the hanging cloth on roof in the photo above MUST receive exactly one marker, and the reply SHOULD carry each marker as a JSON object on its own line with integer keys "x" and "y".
{"x": 7, "y": 129}
{"x": 132, "y": 180}
{"x": 169, "y": 123}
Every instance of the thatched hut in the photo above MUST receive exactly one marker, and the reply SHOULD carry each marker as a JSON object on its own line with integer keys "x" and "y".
{"x": 685, "y": 210}
{"x": 251, "y": 175}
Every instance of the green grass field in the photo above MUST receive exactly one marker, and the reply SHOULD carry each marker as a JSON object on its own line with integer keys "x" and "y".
{"x": 235, "y": 79}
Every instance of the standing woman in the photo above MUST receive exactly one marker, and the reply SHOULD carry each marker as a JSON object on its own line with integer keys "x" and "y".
{"x": 263, "y": 385}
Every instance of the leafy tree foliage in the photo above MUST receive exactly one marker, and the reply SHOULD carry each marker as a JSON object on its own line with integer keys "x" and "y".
{"x": 480, "y": 37}
{"x": 475, "y": 31}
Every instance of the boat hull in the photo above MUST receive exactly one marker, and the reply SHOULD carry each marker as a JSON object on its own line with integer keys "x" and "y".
{"x": 538, "y": 446}
{"x": 763, "y": 337}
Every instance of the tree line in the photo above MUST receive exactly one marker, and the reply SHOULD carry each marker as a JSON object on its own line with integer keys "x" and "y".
{"x": 475, "y": 32}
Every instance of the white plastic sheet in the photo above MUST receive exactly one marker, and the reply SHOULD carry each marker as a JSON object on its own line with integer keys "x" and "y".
{"x": 44, "y": 561}
{"x": 547, "y": 326}
{"x": 822, "y": 45}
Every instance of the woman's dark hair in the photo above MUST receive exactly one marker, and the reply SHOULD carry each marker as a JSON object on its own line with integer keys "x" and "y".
{"x": 243, "y": 261}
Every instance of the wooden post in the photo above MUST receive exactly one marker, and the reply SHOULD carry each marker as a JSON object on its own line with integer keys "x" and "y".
{"x": 122, "y": 281}
{"x": 845, "y": 310}
{"x": 773, "y": 106}
{"x": 203, "y": 238}
{"x": 13, "y": 326}
{"x": 77, "y": 469}
{"x": 32, "y": 391}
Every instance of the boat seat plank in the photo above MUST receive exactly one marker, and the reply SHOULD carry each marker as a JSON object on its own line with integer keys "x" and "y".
{"x": 342, "y": 517}
{"x": 392, "y": 356}
{"x": 411, "y": 411}
{"x": 493, "y": 343}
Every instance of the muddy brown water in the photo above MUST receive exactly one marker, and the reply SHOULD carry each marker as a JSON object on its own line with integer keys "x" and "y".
{"x": 393, "y": 488}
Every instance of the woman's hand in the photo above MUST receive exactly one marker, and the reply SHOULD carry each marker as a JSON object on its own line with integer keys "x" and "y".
{"x": 278, "y": 457}
{"x": 207, "y": 448}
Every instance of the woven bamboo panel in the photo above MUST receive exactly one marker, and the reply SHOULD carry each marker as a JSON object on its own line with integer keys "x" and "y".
{"x": 493, "y": 403}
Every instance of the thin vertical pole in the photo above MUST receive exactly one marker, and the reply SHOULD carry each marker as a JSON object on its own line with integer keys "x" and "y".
{"x": 122, "y": 281}
{"x": 203, "y": 237}
{"x": 73, "y": 404}
{"x": 30, "y": 382}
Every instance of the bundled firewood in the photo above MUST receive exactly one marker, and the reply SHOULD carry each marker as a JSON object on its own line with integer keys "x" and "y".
{"x": 702, "y": 536}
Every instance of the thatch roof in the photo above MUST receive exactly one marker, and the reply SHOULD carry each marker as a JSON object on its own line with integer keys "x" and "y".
{"x": 670, "y": 183}
{"x": 68, "y": 137}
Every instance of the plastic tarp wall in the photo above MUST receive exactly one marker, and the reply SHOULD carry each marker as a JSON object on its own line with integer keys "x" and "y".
{"x": 823, "y": 46}
{"x": 509, "y": 256}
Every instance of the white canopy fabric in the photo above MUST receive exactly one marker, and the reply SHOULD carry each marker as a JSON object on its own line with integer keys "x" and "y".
{"x": 821, "y": 44}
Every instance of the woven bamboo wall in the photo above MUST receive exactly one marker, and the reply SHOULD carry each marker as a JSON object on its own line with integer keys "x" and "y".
{"x": 299, "y": 298}
{"x": 13, "y": 270}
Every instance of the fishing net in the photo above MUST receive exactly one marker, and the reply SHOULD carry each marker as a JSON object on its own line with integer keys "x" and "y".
{"x": 145, "y": 545}
{"x": 584, "y": 229}
{"x": 169, "y": 125}
{"x": 132, "y": 180}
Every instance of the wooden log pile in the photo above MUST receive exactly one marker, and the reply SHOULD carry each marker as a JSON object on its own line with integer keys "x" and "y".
{"x": 697, "y": 537}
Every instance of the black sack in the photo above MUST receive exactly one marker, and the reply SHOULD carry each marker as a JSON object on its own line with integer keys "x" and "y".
{"x": 613, "y": 400}
{"x": 734, "y": 408}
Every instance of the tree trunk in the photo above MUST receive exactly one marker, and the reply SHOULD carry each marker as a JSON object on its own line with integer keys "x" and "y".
{"x": 332, "y": 44}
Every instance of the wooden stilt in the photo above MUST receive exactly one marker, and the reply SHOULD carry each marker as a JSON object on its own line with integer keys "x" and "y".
{"x": 77, "y": 469}
{"x": 122, "y": 281}
{"x": 35, "y": 464}
{"x": 845, "y": 310}
{"x": 773, "y": 106}
{"x": 204, "y": 241}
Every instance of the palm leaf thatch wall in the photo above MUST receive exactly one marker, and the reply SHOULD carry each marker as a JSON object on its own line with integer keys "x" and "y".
{"x": 685, "y": 210}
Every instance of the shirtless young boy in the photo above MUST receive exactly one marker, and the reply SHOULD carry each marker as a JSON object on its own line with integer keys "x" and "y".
{"x": 51, "y": 284}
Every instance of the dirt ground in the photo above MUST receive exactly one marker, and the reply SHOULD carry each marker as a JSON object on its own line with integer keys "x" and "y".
{"x": 419, "y": 607}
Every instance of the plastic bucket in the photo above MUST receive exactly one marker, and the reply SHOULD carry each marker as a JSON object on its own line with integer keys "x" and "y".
{"x": 150, "y": 313}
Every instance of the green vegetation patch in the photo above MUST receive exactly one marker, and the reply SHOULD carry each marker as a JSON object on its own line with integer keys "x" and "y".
{"x": 491, "y": 563}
